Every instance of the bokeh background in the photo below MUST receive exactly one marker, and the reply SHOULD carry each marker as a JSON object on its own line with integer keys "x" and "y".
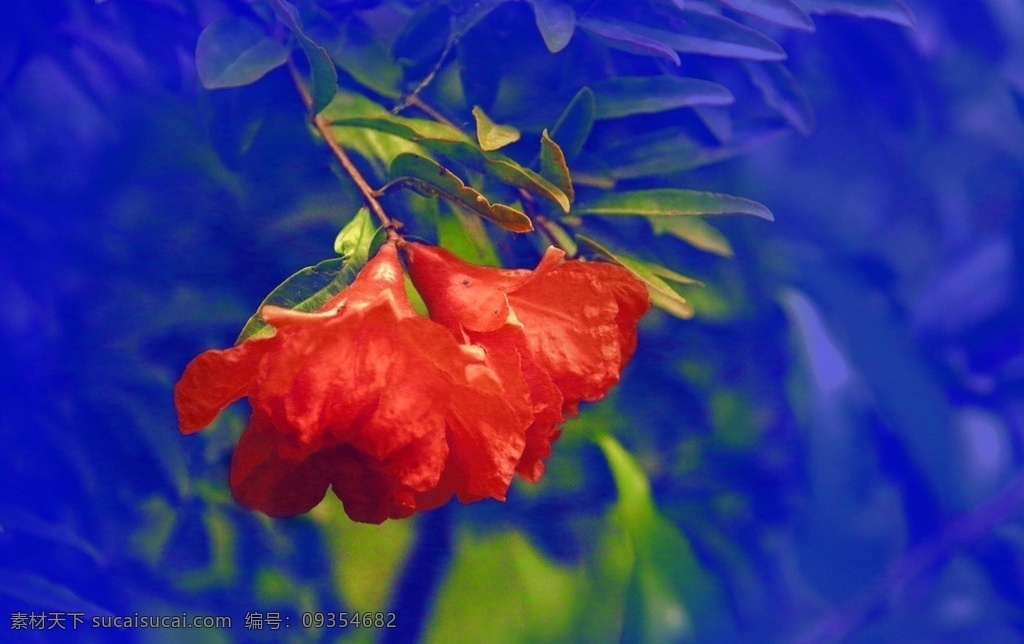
{"x": 829, "y": 451}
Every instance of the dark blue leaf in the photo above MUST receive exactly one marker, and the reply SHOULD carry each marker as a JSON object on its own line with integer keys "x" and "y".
{"x": 233, "y": 51}
{"x": 895, "y": 11}
{"x": 783, "y": 94}
{"x": 629, "y": 39}
{"x": 626, "y": 95}
{"x": 556, "y": 21}
{"x": 781, "y": 12}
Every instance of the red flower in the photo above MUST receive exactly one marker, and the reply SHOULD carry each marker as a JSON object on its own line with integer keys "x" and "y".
{"x": 571, "y": 324}
{"x": 366, "y": 397}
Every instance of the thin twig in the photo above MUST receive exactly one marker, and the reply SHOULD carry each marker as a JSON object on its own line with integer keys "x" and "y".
{"x": 411, "y": 98}
{"x": 420, "y": 104}
{"x": 324, "y": 128}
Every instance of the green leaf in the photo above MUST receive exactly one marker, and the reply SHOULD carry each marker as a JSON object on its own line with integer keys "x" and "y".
{"x": 466, "y": 238}
{"x": 452, "y": 143}
{"x": 573, "y": 128}
{"x": 671, "y": 202}
{"x": 662, "y": 294}
{"x": 307, "y": 290}
{"x": 669, "y": 593}
{"x": 556, "y": 21}
{"x": 669, "y": 274}
{"x": 234, "y": 51}
{"x": 367, "y": 558}
{"x": 500, "y": 589}
{"x": 783, "y": 94}
{"x": 895, "y": 11}
{"x": 489, "y": 134}
{"x": 627, "y": 95}
{"x": 695, "y": 231}
{"x": 629, "y": 39}
{"x": 553, "y": 166}
{"x": 562, "y": 238}
{"x": 325, "y": 76}
{"x": 429, "y": 178}
{"x": 354, "y": 241}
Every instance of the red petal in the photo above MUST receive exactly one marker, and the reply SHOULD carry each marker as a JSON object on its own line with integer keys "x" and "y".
{"x": 506, "y": 350}
{"x": 273, "y": 476}
{"x": 381, "y": 280}
{"x": 460, "y": 295}
{"x": 576, "y": 329}
{"x": 214, "y": 379}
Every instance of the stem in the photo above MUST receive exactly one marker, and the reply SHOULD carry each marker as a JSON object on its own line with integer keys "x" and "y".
{"x": 417, "y": 102}
{"x": 324, "y": 128}
{"x": 414, "y": 95}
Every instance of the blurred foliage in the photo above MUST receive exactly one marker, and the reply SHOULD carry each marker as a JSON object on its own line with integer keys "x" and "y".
{"x": 830, "y": 449}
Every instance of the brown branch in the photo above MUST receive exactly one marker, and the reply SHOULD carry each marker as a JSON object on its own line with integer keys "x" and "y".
{"x": 324, "y": 128}
{"x": 962, "y": 531}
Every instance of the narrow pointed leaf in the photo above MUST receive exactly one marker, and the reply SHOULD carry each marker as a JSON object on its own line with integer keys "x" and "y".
{"x": 627, "y": 95}
{"x": 232, "y": 52}
{"x": 556, "y": 21}
{"x": 669, "y": 274}
{"x": 783, "y": 94}
{"x": 695, "y": 231}
{"x": 670, "y": 597}
{"x": 553, "y": 166}
{"x": 781, "y": 12}
{"x": 712, "y": 36}
{"x": 430, "y": 179}
{"x": 489, "y": 134}
{"x": 662, "y": 294}
{"x": 895, "y": 11}
{"x": 671, "y": 202}
{"x": 629, "y": 39}
{"x": 325, "y": 76}
{"x": 307, "y": 290}
{"x": 573, "y": 127}
{"x": 354, "y": 241}
{"x": 672, "y": 150}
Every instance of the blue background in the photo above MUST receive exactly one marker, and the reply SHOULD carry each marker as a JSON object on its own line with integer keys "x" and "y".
{"x": 838, "y": 434}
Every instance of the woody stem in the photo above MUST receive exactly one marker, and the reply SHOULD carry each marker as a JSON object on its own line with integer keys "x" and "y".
{"x": 323, "y": 127}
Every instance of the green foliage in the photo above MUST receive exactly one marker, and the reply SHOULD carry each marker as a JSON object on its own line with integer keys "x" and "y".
{"x": 489, "y": 134}
{"x": 430, "y": 179}
{"x": 307, "y": 290}
{"x": 354, "y": 241}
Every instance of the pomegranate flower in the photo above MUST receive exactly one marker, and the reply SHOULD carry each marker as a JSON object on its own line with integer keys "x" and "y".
{"x": 366, "y": 397}
{"x": 570, "y": 325}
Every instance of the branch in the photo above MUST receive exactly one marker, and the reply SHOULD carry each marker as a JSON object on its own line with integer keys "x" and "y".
{"x": 323, "y": 127}
{"x": 962, "y": 531}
